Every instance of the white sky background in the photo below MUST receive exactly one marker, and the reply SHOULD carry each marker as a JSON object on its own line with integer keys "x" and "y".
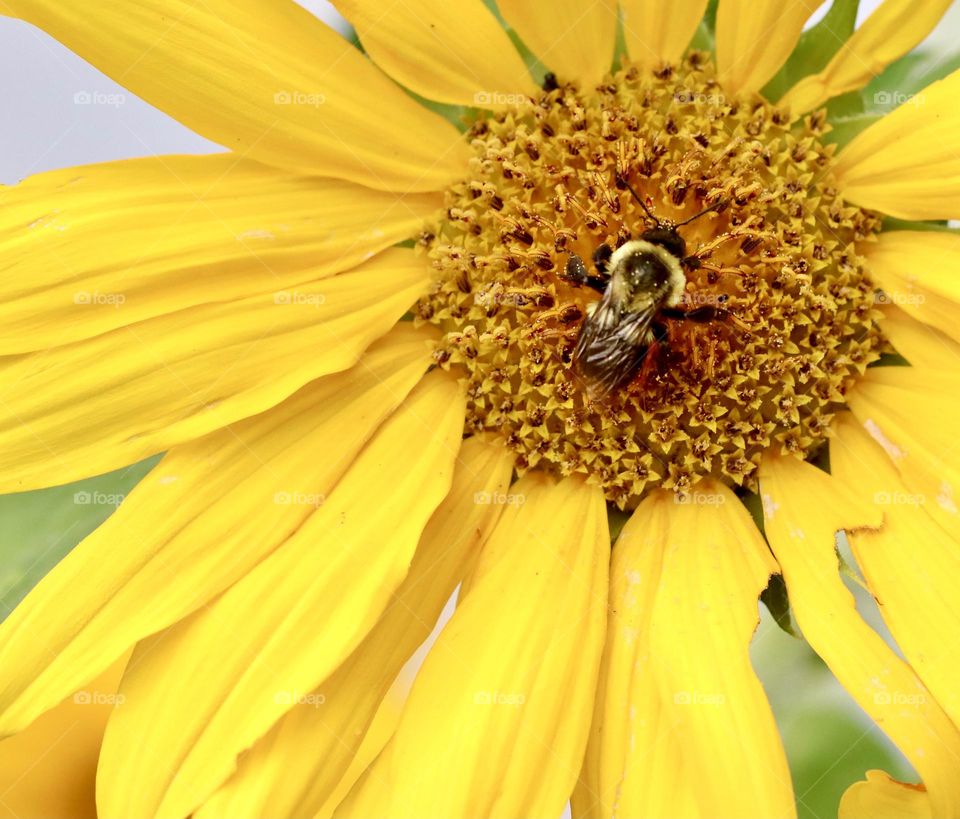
{"x": 44, "y": 129}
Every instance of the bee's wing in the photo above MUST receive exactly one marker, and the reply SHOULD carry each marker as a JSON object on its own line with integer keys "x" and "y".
{"x": 611, "y": 347}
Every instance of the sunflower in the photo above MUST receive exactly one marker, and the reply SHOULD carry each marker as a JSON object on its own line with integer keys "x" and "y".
{"x": 356, "y": 338}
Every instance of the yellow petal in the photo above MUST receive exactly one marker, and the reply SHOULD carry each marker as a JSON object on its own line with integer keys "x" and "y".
{"x": 912, "y": 413}
{"x": 204, "y": 691}
{"x": 755, "y": 37}
{"x": 629, "y": 715}
{"x": 804, "y": 508}
{"x": 49, "y": 769}
{"x": 497, "y": 720}
{"x": 660, "y": 32}
{"x": 906, "y": 164}
{"x": 87, "y": 250}
{"x": 184, "y": 534}
{"x": 682, "y": 726}
{"x": 267, "y": 80}
{"x": 450, "y": 52}
{"x": 277, "y": 777}
{"x": 921, "y": 344}
{"x": 881, "y": 797}
{"x": 105, "y": 402}
{"x": 382, "y": 728}
{"x": 919, "y": 272}
{"x": 893, "y": 29}
{"x": 912, "y": 565}
{"x": 573, "y": 39}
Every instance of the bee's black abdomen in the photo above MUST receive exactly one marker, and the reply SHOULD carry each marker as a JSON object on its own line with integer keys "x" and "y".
{"x": 601, "y": 257}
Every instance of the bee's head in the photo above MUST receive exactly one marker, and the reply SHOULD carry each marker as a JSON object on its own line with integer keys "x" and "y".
{"x": 668, "y": 239}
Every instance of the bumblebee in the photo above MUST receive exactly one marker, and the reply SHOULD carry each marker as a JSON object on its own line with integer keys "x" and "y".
{"x": 642, "y": 283}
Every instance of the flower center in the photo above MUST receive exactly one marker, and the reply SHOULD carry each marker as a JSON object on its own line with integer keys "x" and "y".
{"x": 636, "y": 377}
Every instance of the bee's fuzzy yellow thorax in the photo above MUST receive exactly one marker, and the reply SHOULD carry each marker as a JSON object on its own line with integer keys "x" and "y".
{"x": 678, "y": 281}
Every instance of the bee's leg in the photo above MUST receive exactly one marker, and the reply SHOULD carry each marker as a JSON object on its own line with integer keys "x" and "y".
{"x": 601, "y": 258}
{"x": 657, "y": 347}
{"x": 659, "y": 331}
{"x": 576, "y": 274}
{"x": 701, "y": 315}
{"x": 655, "y": 359}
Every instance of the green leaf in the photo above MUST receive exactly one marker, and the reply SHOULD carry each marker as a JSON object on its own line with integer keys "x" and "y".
{"x": 897, "y": 85}
{"x": 829, "y": 741}
{"x": 845, "y": 128}
{"x": 890, "y": 223}
{"x": 751, "y": 500}
{"x": 912, "y": 73}
{"x": 816, "y": 47}
{"x": 848, "y": 570}
{"x": 889, "y": 360}
{"x": 705, "y": 38}
{"x": 616, "y": 520}
{"x": 38, "y": 528}
{"x": 777, "y": 601}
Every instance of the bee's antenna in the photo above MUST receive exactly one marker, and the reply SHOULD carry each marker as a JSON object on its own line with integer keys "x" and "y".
{"x": 636, "y": 196}
{"x": 704, "y": 212}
